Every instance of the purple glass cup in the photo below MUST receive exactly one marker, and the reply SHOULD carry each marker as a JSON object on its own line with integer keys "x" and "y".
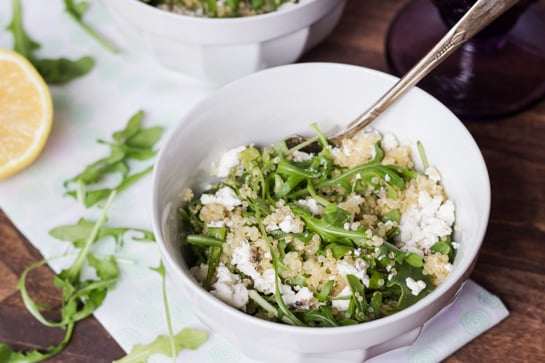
{"x": 499, "y": 72}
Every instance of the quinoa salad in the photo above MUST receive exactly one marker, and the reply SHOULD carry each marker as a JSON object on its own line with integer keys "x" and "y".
{"x": 334, "y": 237}
{"x": 222, "y": 8}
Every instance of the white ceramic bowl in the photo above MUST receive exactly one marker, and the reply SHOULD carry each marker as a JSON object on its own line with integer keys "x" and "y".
{"x": 221, "y": 50}
{"x": 268, "y": 106}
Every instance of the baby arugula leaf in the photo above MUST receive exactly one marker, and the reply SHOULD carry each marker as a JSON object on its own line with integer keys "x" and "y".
{"x": 54, "y": 71}
{"x": 187, "y": 338}
{"x": 76, "y": 10}
{"x": 7, "y": 355}
{"x": 404, "y": 271}
{"x": 80, "y": 298}
{"x": 131, "y": 143}
{"x": 77, "y": 233}
{"x": 161, "y": 271}
{"x": 63, "y": 70}
{"x": 169, "y": 346}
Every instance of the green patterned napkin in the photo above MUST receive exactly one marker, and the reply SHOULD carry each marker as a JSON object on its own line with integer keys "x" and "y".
{"x": 93, "y": 107}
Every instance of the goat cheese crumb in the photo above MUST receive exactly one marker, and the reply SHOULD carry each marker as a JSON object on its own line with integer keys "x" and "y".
{"x": 288, "y": 225}
{"x": 300, "y": 299}
{"x": 342, "y": 304}
{"x": 245, "y": 260}
{"x": 311, "y": 205}
{"x": 433, "y": 174}
{"x": 424, "y": 223}
{"x": 389, "y": 142}
{"x": 358, "y": 269}
{"x": 301, "y": 156}
{"x": 224, "y": 196}
{"x": 416, "y": 287}
{"x": 229, "y": 288}
{"x": 229, "y": 159}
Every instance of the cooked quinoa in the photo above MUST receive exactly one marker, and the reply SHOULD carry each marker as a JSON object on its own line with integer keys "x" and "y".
{"x": 342, "y": 236}
{"x": 221, "y": 8}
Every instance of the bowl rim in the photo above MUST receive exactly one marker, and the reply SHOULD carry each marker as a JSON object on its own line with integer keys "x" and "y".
{"x": 456, "y": 278}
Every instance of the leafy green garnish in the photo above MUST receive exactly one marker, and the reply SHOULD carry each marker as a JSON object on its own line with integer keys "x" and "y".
{"x": 76, "y": 10}
{"x": 54, "y": 71}
{"x": 404, "y": 271}
{"x": 187, "y": 338}
{"x": 80, "y": 298}
{"x": 77, "y": 233}
{"x": 173, "y": 344}
{"x": 129, "y": 144}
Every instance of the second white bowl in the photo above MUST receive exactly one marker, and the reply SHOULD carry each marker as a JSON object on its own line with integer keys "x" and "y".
{"x": 221, "y": 50}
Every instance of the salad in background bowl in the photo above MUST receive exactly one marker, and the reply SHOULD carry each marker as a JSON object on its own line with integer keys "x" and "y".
{"x": 221, "y": 8}
{"x": 289, "y": 99}
{"x": 219, "y": 50}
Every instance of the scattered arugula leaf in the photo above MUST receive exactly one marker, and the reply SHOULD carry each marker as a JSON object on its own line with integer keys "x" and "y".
{"x": 77, "y": 233}
{"x": 81, "y": 298}
{"x": 161, "y": 271}
{"x": 187, "y": 338}
{"x": 131, "y": 143}
{"x": 54, "y": 71}
{"x": 76, "y": 10}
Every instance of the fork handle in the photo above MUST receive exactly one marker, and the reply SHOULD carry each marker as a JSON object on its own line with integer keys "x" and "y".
{"x": 482, "y": 13}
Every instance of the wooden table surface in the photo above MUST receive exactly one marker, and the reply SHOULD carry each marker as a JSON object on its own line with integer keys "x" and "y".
{"x": 511, "y": 264}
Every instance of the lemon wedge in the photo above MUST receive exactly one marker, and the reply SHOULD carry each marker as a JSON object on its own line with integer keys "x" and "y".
{"x": 26, "y": 113}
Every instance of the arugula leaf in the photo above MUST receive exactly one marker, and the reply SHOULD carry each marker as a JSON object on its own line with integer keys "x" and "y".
{"x": 187, "y": 338}
{"x": 284, "y": 311}
{"x": 405, "y": 270}
{"x": 161, "y": 271}
{"x": 331, "y": 230}
{"x": 63, "y": 70}
{"x": 76, "y": 10}
{"x": 22, "y": 43}
{"x": 7, "y": 355}
{"x": 131, "y": 143}
{"x": 79, "y": 298}
{"x": 55, "y": 71}
{"x": 358, "y": 298}
{"x": 77, "y": 233}
{"x": 321, "y": 317}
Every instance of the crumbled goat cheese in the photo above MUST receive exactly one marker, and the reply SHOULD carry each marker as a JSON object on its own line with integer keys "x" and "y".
{"x": 389, "y": 142}
{"x": 433, "y": 174}
{"x": 342, "y": 304}
{"x": 244, "y": 258}
{"x": 216, "y": 224}
{"x": 423, "y": 224}
{"x": 416, "y": 287}
{"x": 288, "y": 225}
{"x": 311, "y": 205}
{"x": 224, "y": 196}
{"x": 229, "y": 288}
{"x": 229, "y": 159}
{"x": 265, "y": 282}
{"x": 300, "y": 299}
{"x": 301, "y": 156}
{"x": 358, "y": 269}
{"x": 455, "y": 245}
